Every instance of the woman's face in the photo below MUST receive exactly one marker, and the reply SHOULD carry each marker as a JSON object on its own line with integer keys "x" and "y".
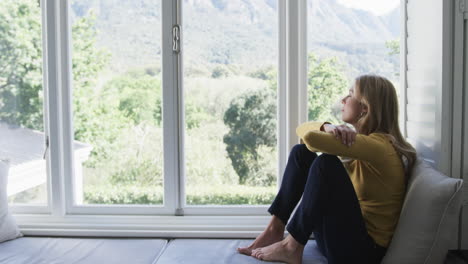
{"x": 351, "y": 109}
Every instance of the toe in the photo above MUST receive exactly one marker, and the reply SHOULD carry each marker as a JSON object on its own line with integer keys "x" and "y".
{"x": 254, "y": 253}
{"x": 245, "y": 251}
{"x": 259, "y": 253}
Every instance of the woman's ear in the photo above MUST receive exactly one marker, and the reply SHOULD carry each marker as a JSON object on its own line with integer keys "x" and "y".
{"x": 364, "y": 108}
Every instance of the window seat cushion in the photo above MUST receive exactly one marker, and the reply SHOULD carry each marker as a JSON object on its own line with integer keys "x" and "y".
{"x": 8, "y": 228}
{"x": 214, "y": 251}
{"x": 40, "y": 250}
{"x": 35, "y": 250}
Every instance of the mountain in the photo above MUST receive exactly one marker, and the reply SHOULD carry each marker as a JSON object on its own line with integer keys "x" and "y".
{"x": 234, "y": 31}
{"x": 392, "y": 21}
{"x": 331, "y": 22}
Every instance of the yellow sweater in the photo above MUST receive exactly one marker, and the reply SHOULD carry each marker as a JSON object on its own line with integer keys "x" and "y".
{"x": 376, "y": 172}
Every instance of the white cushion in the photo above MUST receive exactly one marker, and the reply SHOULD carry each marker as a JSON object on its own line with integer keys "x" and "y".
{"x": 45, "y": 250}
{"x": 214, "y": 251}
{"x": 428, "y": 218}
{"x": 8, "y": 228}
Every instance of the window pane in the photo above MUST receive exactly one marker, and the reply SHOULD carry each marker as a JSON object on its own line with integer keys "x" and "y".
{"x": 22, "y": 138}
{"x": 117, "y": 101}
{"x": 347, "y": 38}
{"x": 230, "y": 95}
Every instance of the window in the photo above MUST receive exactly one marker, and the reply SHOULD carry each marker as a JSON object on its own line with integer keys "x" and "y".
{"x": 22, "y": 126}
{"x": 345, "y": 39}
{"x": 117, "y": 102}
{"x": 230, "y": 53}
{"x": 160, "y": 108}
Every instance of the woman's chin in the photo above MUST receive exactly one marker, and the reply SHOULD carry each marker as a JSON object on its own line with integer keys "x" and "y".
{"x": 347, "y": 120}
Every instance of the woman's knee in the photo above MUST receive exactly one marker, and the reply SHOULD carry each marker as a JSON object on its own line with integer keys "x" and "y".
{"x": 301, "y": 150}
{"x": 300, "y": 157}
{"x": 329, "y": 165}
{"x": 328, "y": 159}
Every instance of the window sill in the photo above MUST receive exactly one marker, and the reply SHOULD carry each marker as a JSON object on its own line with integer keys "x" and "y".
{"x": 143, "y": 226}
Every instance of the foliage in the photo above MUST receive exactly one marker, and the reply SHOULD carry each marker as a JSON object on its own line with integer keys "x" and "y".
{"x": 230, "y": 195}
{"x": 198, "y": 195}
{"x": 394, "y": 51}
{"x": 219, "y": 71}
{"x": 251, "y": 119}
{"x": 267, "y": 165}
{"x": 326, "y": 84}
{"x": 137, "y": 95}
{"x": 136, "y": 157}
{"x": 21, "y": 73}
{"x": 393, "y": 46}
{"x": 206, "y": 159}
{"x": 195, "y": 114}
{"x": 267, "y": 74}
{"x": 96, "y": 122}
{"x": 21, "y": 96}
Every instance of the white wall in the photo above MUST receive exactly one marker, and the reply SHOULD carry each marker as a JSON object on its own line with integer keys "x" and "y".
{"x": 435, "y": 95}
{"x": 425, "y": 94}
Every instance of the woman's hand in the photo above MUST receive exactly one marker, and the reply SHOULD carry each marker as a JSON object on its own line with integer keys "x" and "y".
{"x": 343, "y": 132}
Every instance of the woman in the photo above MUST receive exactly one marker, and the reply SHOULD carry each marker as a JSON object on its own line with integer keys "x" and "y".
{"x": 351, "y": 205}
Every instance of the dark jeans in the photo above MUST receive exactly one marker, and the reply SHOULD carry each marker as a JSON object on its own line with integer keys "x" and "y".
{"x": 329, "y": 208}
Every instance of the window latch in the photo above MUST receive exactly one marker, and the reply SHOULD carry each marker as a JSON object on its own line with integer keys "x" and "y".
{"x": 46, "y": 147}
{"x": 176, "y": 39}
{"x": 462, "y": 6}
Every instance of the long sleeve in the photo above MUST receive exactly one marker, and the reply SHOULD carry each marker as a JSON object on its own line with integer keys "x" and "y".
{"x": 365, "y": 147}
{"x": 307, "y": 126}
{"x": 377, "y": 174}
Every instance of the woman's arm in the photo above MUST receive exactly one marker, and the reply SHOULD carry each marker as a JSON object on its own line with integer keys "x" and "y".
{"x": 307, "y": 126}
{"x": 312, "y": 125}
{"x": 369, "y": 148}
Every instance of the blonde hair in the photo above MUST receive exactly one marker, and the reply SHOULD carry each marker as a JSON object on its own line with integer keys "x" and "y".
{"x": 379, "y": 95}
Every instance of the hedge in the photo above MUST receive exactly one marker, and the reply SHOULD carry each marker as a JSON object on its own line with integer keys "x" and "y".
{"x": 196, "y": 195}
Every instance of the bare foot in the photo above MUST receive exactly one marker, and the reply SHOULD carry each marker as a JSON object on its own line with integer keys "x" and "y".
{"x": 272, "y": 234}
{"x": 287, "y": 250}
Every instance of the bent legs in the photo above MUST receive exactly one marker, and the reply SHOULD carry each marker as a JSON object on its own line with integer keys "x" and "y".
{"x": 292, "y": 187}
{"x": 329, "y": 208}
{"x": 293, "y": 183}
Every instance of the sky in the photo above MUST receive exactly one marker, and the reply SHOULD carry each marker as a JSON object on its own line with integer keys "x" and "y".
{"x": 378, "y": 7}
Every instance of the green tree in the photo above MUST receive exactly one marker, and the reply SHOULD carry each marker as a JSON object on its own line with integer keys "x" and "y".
{"x": 95, "y": 121}
{"x": 219, "y": 71}
{"x": 137, "y": 95}
{"x": 394, "y": 51}
{"x": 393, "y": 46}
{"x": 268, "y": 74}
{"x": 251, "y": 119}
{"x": 326, "y": 84}
{"x": 21, "y": 97}
{"x": 21, "y": 90}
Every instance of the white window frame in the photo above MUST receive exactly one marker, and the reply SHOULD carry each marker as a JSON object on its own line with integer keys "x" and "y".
{"x": 170, "y": 125}
{"x": 286, "y": 114}
{"x": 47, "y": 104}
